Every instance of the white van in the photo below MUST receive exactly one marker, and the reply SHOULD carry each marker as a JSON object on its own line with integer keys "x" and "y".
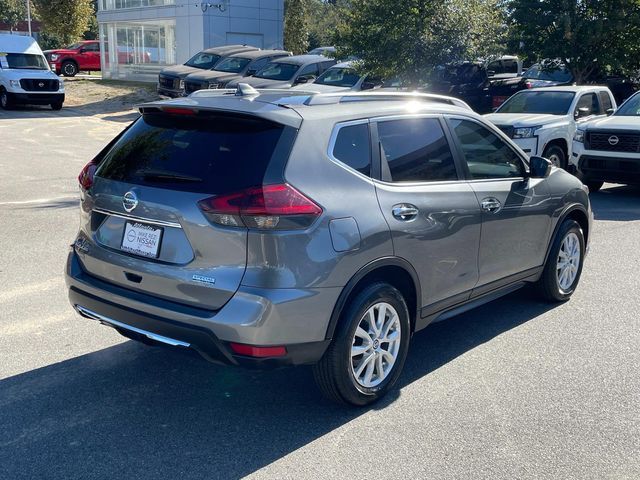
{"x": 25, "y": 76}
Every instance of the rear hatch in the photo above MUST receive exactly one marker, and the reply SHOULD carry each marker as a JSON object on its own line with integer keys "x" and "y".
{"x": 147, "y": 230}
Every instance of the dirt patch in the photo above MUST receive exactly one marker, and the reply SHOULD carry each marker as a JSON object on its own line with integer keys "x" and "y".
{"x": 100, "y": 97}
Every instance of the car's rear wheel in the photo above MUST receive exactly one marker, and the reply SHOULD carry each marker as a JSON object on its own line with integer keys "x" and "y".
{"x": 69, "y": 69}
{"x": 6, "y": 101}
{"x": 555, "y": 154}
{"x": 594, "y": 186}
{"x": 368, "y": 352}
{"x": 564, "y": 264}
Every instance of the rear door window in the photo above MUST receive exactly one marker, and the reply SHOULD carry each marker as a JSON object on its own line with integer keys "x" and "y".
{"x": 416, "y": 150}
{"x": 353, "y": 147}
{"x": 213, "y": 155}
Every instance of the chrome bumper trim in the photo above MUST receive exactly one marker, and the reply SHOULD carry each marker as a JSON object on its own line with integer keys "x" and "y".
{"x": 161, "y": 223}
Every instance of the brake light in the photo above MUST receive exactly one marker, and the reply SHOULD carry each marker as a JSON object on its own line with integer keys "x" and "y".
{"x": 86, "y": 175}
{"x": 258, "y": 352}
{"x": 178, "y": 110}
{"x": 269, "y": 207}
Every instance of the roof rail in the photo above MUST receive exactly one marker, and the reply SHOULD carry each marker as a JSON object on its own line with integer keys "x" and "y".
{"x": 337, "y": 97}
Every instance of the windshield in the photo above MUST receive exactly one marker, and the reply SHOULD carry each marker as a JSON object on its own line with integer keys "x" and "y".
{"x": 338, "y": 77}
{"x": 551, "y": 103}
{"x": 73, "y": 46}
{"x": 278, "y": 71}
{"x": 458, "y": 74}
{"x": 232, "y": 64}
{"x": 551, "y": 73}
{"x": 630, "y": 108}
{"x": 203, "y": 60}
{"x": 25, "y": 61}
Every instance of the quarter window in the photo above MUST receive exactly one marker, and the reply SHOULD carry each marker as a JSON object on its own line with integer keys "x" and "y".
{"x": 353, "y": 147}
{"x": 486, "y": 155}
{"x": 416, "y": 150}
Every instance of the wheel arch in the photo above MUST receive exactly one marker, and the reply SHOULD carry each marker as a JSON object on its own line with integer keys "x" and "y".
{"x": 575, "y": 212}
{"x": 560, "y": 142}
{"x": 396, "y": 271}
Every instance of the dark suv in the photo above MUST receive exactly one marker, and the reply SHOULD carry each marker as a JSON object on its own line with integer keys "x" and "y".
{"x": 267, "y": 229}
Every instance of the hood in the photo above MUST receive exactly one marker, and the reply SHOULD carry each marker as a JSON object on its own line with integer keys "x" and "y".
{"x": 212, "y": 75}
{"x": 179, "y": 71}
{"x": 543, "y": 83}
{"x": 615, "y": 122}
{"x": 60, "y": 51}
{"x": 18, "y": 73}
{"x": 523, "y": 119}
{"x": 316, "y": 87}
{"x": 261, "y": 83}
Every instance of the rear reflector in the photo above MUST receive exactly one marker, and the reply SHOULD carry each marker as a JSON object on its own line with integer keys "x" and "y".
{"x": 258, "y": 352}
{"x": 268, "y": 207}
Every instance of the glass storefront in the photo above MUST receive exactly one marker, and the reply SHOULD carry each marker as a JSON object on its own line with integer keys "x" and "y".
{"x": 119, "y": 4}
{"x": 137, "y": 50}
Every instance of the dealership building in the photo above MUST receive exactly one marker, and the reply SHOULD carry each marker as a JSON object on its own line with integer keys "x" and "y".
{"x": 156, "y": 33}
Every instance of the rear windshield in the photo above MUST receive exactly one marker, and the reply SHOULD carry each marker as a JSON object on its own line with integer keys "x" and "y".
{"x": 213, "y": 155}
{"x": 552, "y": 103}
{"x": 25, "y": 61}
{"x": 552, "y": 74}
{"x": 203, "y": 60}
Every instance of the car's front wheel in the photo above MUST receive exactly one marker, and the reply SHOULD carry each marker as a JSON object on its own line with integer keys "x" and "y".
{"x": 564, "y": 265}
{"x": 555, "y": 154}
{"x": 6, "y": 102}
{"x": 368, "y": 352}
{"x": 69, "y": 69}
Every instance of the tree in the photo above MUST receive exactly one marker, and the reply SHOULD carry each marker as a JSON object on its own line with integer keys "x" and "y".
{"x": 584, "y": 34}
{"x": 323, "y": 16}
{"x": 296, "y": 26}
{"x": 12, "y": 12}
{"x": 64, "y": 19}
{"x": 409, "y": 38}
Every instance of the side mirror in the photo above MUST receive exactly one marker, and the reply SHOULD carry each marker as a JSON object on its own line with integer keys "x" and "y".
{"x": 305, "y": 79}
{"x": 251, "y": 73}
{"x": 540, "y": 167}
{"x": 367, "y": 86}
{"x": 582, "y": 112}
{"x": 610, "y": 111}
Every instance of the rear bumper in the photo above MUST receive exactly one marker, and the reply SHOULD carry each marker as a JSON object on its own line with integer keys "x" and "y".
{"x": 37, "y": 98}
{"x": 247, "y": 318}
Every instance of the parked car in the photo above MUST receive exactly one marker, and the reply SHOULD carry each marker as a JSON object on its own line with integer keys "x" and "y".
{"x": 506, "y": 66}
{"x": 171, "y": 79}
{"x": 25, "y": 77}
{"x": 341, "y": 77}
{"x": 233, "y": 67}
{"x": 467, "y": 81}
{"x": 85, "y": 57}
{"x": 325, "y": 51}
{"x": 287, "y": 72}
{"x": 542, "y": 121}
{"x": 608, "y": 149}
{"x": 262, "y": 229}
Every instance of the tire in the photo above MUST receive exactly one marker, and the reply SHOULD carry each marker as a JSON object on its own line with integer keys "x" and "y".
{"x": 56, "y": 105}
{"x": 6, "y": 100}
{"x": 69, "y": 68}
{"x": 556, "y": 155}
{"x": 553, "y": 286}
{"x": 594, "y": 186}
{"x": 340, "y": 375}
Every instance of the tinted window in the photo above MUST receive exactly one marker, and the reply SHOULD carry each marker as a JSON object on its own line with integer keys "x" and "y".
{"x": 203, "y": 60}
{"x": 353, "y": 147}
{"x": 416, "y": 150}
{"x": 549, "y": 73}
{"x": 27, "y": 61}
{"x": 258, "y": 64}
{"x": 553, "y": 103}
{"x": 339, "y": 77}
{"x": 605, "y": 102}
{"x": 310, "y": 70}
{"x": 217, "y": 154}
{"x": 590, "y": 102}
{"x": 91, "y": 47}
{"x": 278, "y": 71}
{"x": 232, "y": 64}
{"x": 630, "y": 108}
{"x": 486, "y": 155}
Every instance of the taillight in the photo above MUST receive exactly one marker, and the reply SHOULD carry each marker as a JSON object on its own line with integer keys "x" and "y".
{"x": 269, "y": 207}
{"x": 86, "y": 175}
{"x": 258, "y": 352}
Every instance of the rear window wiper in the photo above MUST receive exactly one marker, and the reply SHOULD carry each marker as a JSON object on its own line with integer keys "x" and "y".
{"x": 168, "y": 175}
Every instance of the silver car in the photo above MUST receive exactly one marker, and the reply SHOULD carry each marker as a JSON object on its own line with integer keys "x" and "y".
{"x": 270, "y": 228}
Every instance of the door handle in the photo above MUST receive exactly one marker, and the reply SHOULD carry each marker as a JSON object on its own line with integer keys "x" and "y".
{"x": 491, "y": 205}
{"x": 405, "y": 212}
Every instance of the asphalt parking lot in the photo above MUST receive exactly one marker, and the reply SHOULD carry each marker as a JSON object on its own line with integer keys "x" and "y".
{"x": 514, "y": 389}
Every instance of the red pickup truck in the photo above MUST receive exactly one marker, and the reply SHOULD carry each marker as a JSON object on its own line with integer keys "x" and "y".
{"x": 85, "y": 56}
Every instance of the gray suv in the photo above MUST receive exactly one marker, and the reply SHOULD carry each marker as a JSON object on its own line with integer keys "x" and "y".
{"x": 271, "y": 228}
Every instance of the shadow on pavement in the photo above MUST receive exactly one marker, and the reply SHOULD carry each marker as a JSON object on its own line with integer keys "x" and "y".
{"x": 618, "y": 203}
{"x": 132, "y": 411}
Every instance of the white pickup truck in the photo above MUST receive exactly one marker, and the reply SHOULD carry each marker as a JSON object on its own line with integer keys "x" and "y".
{"x": 25, "y": 76}
{"x": 543, "y": 121}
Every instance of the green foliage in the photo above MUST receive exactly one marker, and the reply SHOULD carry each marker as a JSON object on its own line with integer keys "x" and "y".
{"x": 12, "y": 12}
{"x": 324, "y": 16}
{"x": 585, "y": 34}
{"x": 296, "y": 26}
{"x": 93, "y": 29}
{"x": 409, "y": 38}
{"x": 64, "y": 19}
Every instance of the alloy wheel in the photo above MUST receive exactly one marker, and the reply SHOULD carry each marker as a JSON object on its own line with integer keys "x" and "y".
{"x": 568, "y": 262}
{"x": 376, "y": 344}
